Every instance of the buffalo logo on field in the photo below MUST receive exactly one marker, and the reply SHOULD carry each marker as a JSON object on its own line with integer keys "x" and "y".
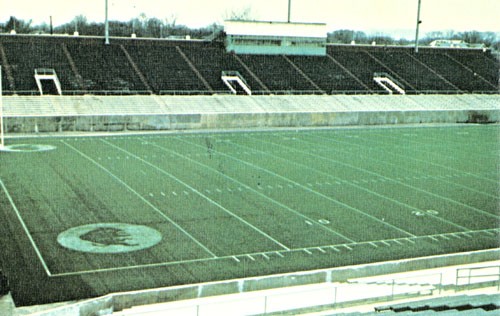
{"x": 109, "y": 238}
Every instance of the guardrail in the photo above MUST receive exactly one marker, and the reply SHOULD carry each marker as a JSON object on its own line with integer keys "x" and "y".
{"x": 254, "y": 92}
{"x": 468, "y": 276}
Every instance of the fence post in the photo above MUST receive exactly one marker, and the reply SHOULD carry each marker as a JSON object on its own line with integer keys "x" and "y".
{"x": 393, "y": 285}
{"x": 440, "y": 282}
{"x": 498, "y": 283}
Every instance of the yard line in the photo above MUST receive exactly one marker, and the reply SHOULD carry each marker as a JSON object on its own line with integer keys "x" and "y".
{"x": 396, "y": 166}
{"x": 444, "y": 140}
{"x": 358, "y": 186}
{"x": 308, "y": 219}
{"x": 200, "y": 194}
{"x": 442, "y": 166}
{"x": 250, "y": 255}
{"x": 399, "y": 182}
{"x": 142, "y": 198}
{"x": 26, "y": 230}
{"x": 310, "y": 190}
{"x": 361, "y": 188}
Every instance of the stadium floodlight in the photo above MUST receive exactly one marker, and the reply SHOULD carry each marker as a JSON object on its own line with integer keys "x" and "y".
{"x": 418, "y": 26}
{"x": 2, "y": 143}
{"x": 106, "y": 23}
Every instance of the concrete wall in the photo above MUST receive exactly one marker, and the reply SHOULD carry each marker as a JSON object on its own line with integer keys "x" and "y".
{"x": 122, "y": 123}
{"x": 120, "y": 301}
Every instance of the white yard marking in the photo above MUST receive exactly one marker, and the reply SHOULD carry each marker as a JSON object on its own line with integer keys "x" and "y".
{"x": 257, "y": 192}
{"x": 251, "y": 255}
{"x": 316, "y": 192}
{"x": 200, "y": 194}
{"x": 26, "y": 230}
{"x": 143, "y": 199}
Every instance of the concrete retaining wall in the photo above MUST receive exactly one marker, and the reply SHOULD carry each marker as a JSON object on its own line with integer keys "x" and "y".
{"x": 120, "y": 301}
{"x": 240, "y": 120}
{"x": 23, "y": 114}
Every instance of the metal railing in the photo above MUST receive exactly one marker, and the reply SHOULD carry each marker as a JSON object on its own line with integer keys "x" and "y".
{"x": 468, "y": 276}
{"x": 256, "y": 92}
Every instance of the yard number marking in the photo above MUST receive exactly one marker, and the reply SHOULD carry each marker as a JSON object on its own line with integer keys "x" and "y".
{"x": 423, "y": 213}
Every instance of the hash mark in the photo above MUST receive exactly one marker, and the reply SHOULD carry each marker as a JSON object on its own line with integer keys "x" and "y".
{"x": 334, "y": 248}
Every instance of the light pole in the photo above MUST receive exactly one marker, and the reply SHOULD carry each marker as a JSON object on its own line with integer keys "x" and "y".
{"x": 289, "y": 9}
{"x": 418, "y": 26}
{"x": 106, "y": 23}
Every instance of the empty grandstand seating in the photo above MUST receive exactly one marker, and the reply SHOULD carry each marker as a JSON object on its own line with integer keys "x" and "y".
{"x": 330, "y": 77}
{"x": 164, "y": 68}
{"x": 462, "y": 303}
{"x": 105, "y": 67}
{"x": 416, "y": 75}
{"x": 24, "y": 56}
{"x": 360, "y": 64}
{"x": 277, "y": 74}
{"x": 452, "y": 71}
{"x": 135, "y": 66}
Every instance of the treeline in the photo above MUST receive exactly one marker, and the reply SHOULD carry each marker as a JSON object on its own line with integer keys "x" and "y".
{"x": 488, "y": 39}
{"x": 143, "y": 26}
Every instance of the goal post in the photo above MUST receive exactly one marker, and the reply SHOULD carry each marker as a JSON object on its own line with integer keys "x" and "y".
{"x": 2, "y": 142}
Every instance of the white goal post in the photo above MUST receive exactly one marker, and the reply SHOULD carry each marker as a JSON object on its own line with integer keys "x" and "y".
{"x": 2, "y": 143}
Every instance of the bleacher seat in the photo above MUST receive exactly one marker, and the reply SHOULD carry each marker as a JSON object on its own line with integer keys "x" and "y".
{"x": 160, "y": 65}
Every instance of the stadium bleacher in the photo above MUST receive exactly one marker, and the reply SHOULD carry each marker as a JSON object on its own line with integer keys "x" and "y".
{"x": 135, "y": 66}
{"x": 443, "y": 305}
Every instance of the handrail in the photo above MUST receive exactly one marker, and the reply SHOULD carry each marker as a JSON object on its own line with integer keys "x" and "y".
{"x": 256, "y": 92}
{"x": 387, "y": 75}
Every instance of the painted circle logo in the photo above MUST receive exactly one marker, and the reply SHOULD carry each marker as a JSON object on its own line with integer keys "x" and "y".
{"x": 109, "y": 238}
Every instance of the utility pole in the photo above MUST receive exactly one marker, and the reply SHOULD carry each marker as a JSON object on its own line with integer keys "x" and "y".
{"x": 106, "y": 23}
{"x": 289, "y": 9}
{"x": 418, "y": 26}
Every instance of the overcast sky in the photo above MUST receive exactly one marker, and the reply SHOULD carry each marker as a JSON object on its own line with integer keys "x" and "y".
{"x": 364, "y": 15}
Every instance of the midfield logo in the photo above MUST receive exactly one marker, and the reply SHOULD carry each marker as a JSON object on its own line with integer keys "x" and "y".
{"x": 109, "y": 238}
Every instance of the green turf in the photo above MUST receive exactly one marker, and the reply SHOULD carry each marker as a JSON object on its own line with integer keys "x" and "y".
{"x": 237, "y": 204}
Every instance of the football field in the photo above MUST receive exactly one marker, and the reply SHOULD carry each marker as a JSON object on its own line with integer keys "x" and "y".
{"x": 86, "y": 216}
